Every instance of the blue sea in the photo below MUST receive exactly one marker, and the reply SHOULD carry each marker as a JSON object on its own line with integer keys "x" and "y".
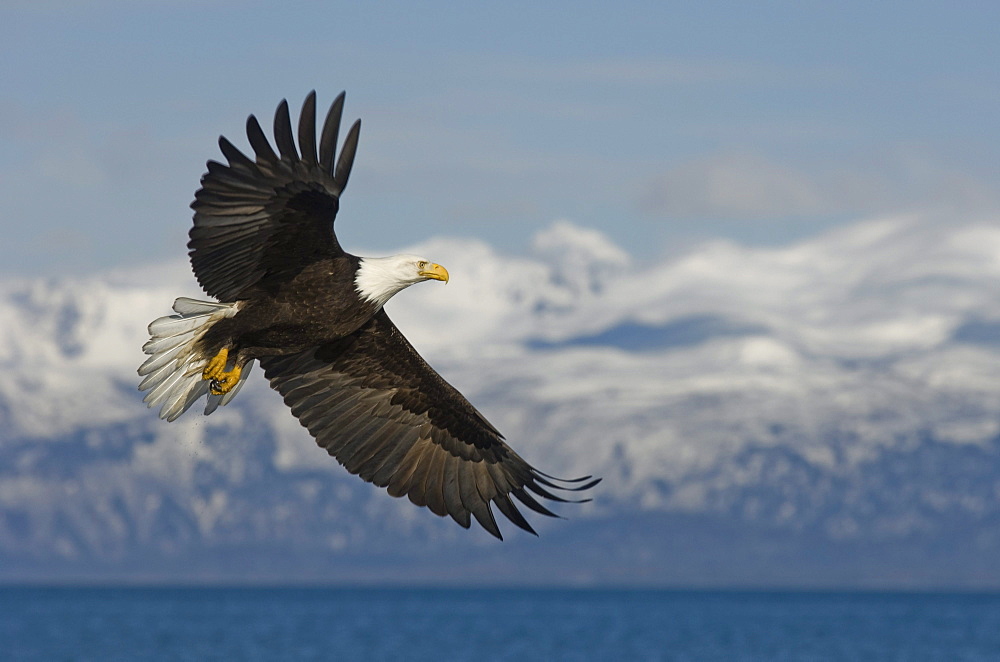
{"x": 54, "y": 624}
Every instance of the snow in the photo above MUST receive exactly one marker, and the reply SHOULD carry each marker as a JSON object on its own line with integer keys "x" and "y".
{"x": 825, "y": 357}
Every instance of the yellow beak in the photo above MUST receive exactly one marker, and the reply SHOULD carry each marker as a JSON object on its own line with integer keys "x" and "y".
{"x": 435, "y": 271}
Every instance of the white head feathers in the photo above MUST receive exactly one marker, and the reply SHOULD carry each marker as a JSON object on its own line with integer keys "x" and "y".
{"x": 379, "y": 278}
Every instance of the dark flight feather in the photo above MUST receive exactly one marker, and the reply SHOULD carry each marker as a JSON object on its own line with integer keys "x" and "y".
{"x": 307, "y": 129}
{"x": 263, "y": 232}
{"x": 328, "y": 140}
{"x": 346, "y": 160}
{"x": 258, "y": 222}
{"x": 431, "y": 445}
{"x": 265, "y": 155}
{"x": 283, "y": 133}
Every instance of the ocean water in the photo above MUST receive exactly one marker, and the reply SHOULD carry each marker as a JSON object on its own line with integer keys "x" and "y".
{"x": 177, "y": 624}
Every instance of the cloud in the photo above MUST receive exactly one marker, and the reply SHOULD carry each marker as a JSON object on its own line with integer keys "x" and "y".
{"x": 748, "y": 186}
{"x": 76, "y": 192}
{"x": 733, "y": 186}
{"x": 660, "y": 71}
{"x": 730, "y": 381}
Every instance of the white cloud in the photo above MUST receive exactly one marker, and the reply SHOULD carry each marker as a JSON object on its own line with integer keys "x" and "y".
{"x": 748, "y": 186}
{"x": 844, "y": 352}
{"x": 733, "y": 186}
{"x": 660, "y": 71}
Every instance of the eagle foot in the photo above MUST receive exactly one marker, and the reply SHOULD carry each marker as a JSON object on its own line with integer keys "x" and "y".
{"x": 221, "y": 380}
{"x": 217, "y": 365}
{"x": 225, "y": 382}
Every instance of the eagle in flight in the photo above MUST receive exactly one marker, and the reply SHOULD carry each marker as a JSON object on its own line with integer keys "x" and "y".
{"x": 312, "y": 314}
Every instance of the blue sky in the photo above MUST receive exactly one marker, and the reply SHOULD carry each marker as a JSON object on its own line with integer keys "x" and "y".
{"x": 660, "y": 124}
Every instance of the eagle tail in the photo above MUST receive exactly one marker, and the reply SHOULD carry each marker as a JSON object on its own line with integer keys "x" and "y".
{"x": 173, "y": 372}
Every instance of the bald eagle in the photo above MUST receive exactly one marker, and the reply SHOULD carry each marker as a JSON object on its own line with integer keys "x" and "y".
{"x": 312, "y": 314}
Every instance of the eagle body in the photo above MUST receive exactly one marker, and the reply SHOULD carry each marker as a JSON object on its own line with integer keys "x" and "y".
{"x": 289, "y": 297}
{"x": 317, "y": 305}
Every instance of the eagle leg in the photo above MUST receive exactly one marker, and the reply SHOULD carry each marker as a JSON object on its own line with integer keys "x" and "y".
{"x": 222, "y": 381}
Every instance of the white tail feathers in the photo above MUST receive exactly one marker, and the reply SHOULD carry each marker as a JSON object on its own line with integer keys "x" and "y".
{"x": 172, "y": 373}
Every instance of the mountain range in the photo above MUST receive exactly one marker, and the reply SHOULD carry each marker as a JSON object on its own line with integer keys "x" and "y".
{"x": 820, "y": 414}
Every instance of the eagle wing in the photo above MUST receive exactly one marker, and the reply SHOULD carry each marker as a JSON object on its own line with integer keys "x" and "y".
{"x": 374, "y": 404}
{"x": 260, "y": 222}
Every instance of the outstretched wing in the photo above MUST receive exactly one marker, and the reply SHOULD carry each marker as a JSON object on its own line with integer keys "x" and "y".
{"x": 387, "y": 416}
{"x": 260, "y": 222}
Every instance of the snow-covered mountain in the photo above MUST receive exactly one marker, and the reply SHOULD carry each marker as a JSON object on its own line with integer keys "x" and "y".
{"x": 818, "y": 414}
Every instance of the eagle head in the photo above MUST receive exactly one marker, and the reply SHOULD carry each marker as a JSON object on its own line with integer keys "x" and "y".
{"x": 379, "y": 278}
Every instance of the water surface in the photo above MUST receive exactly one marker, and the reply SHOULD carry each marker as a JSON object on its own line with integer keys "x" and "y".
{"x": 491, "y": 624}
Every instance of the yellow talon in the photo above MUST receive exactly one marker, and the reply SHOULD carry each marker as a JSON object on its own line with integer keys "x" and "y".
{"x": 217, "y": 365}
{"x": 225, "y": 382}
{"x": 222, "y": 381}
